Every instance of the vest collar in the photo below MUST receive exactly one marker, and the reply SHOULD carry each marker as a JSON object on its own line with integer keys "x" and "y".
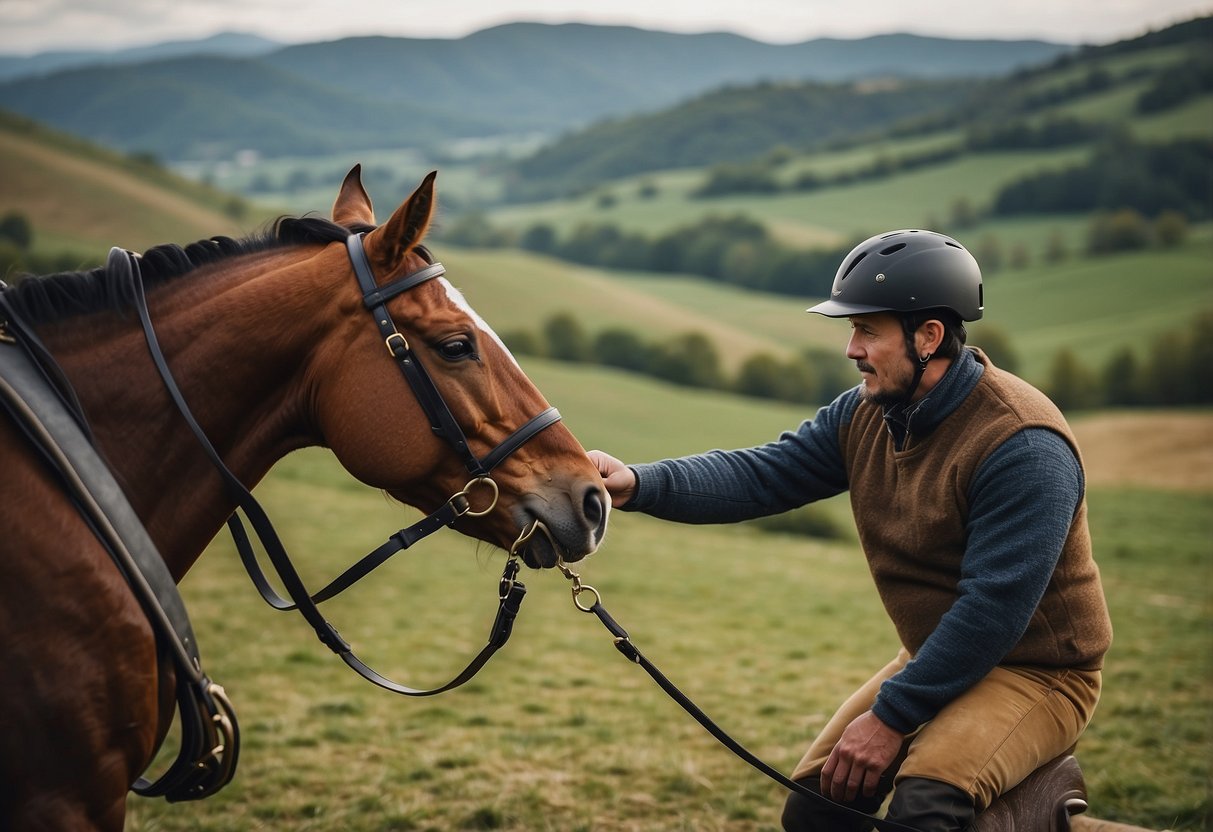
{"x": 923, "y": 416}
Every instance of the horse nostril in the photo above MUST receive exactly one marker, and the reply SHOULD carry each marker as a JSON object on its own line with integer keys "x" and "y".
{"x": 593, "y": 507}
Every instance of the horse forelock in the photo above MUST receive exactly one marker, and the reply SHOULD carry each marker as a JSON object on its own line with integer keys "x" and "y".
{"x": 49, "y": 298}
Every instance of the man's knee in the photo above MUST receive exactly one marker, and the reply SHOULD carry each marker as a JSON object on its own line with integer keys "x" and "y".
{"x": 931, "y": 806}
{"x": 802, "y": 813}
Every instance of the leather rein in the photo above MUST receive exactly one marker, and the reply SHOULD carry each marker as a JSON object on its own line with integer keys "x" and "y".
{"x": 442, "y": 421}
{"x": 623, "y": 643}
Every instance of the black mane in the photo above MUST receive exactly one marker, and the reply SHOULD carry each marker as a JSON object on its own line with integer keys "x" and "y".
{"x": 40, "y": 300}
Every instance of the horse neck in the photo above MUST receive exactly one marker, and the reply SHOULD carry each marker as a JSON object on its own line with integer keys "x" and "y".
{"x": 236, "y": 346}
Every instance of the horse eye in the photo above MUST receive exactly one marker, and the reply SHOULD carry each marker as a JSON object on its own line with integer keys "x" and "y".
{"x": 457, "y": 349}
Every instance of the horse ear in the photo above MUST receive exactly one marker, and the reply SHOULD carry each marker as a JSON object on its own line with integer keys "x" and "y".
{"x": 387, "y": 245}
{"x": 353, "y": 205}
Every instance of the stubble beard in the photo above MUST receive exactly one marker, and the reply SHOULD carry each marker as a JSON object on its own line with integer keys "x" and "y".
{"x": 885, "y": 396}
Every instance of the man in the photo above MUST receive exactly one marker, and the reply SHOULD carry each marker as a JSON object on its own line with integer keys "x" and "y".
{"x": 968, "y": 493}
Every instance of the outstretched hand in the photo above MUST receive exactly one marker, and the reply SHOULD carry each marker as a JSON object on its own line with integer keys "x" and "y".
{"x": 618, "y": 478}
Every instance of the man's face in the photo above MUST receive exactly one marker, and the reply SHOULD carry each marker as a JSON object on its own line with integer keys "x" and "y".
{"x": 878, "y": 348}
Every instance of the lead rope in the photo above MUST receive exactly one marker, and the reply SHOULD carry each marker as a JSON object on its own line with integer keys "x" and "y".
{"x": 623, "y": 643}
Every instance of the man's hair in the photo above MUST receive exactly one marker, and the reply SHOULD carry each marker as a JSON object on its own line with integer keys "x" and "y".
{"x": 954, "y": 332}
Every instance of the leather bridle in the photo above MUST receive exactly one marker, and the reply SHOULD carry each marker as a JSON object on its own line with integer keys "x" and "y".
{"x": 444, "y": 425}
{"x": 375, "y": 299}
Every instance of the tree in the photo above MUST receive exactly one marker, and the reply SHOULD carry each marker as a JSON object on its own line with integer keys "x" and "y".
{"x": 995, "y": 343}
{"x": 565, "y": 338}
{"x": 617, "y": 347}
{"x": 1121, "y": 379}
{"x": 1071, "y": 385}
{"x": 690, "y": 360}
{"x": 1170, "y": 229}
{"x": 522, "y": 342}
{"x": 1180, "y": 367}
{"x": 1200, "y": 358}
{"x": 15, "y": 228}
{"x": 761, "y": 376}
{"x": 540, "y": 238}
{"x": 1123, "y": 230}
{"x": 832, "y": 371}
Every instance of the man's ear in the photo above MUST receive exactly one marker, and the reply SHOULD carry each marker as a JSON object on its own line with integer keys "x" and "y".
{"x": 928, "y": 337}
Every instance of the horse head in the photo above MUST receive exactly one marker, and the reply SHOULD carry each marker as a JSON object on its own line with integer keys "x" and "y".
{"x": 380, "y": 431}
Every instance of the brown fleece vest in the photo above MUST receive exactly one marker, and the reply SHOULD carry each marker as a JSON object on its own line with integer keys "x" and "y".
{"x": 911, "y": 507}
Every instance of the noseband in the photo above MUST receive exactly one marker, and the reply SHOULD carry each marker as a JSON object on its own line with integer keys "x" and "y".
{"x": 444, "y": 425}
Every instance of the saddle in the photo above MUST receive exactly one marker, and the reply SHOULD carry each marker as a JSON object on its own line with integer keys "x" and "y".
{"x": 1044, "y": 802}
{"x": 42, "y": 405}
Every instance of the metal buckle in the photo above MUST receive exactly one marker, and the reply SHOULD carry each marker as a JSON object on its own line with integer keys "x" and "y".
{"x": 390, "y": 349}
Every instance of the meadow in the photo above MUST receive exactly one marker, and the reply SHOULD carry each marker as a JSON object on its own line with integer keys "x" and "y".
{"x": 766, "y": 632}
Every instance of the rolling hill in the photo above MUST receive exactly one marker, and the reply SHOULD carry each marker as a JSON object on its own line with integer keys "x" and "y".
{"x": 43, "y": 63}
{"x": 83, "y": 199}
{"x": 522, "y": 79}
{"x": 745, "y": 123}
{"x": 1090, "y": 305}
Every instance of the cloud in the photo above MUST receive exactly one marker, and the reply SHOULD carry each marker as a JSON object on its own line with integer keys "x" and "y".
{"x": 33, "y": 25}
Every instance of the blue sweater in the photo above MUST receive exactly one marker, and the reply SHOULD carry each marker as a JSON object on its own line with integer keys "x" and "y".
{"x": 1015, "y": 533}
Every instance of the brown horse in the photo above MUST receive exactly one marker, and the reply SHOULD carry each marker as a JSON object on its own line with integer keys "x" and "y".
{"x": 273, "y": 348}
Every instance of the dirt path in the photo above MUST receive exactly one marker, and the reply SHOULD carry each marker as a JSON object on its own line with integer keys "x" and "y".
{"x": 1171, "y": 449}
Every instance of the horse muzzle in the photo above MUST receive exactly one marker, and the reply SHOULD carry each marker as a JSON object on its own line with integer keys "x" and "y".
{"x": 550, "y": 536}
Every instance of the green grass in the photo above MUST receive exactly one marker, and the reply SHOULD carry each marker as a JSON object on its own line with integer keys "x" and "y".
{"x": 559, "y": 732}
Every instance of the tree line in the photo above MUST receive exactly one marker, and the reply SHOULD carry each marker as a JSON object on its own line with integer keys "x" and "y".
{"x": 1149, "y": 178}
{"x": 1177, "y": 369}
{"x": 688, "y": 359}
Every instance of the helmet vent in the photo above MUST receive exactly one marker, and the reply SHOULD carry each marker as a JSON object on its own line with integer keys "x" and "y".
{"x": 892, "y": 249}
{"x": 953, "y": 245}
{"x": 854, "y": 263}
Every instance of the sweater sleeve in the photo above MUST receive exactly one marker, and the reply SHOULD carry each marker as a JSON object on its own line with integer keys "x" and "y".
{"x": 1021, "y": 505}
{"x": 728, "y": 486}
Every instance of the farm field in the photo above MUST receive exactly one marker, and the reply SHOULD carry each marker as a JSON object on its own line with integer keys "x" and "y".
{"x": 766, "y": 632}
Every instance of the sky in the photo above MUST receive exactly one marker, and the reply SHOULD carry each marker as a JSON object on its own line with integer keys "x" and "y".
{"x": 29, "y": 26}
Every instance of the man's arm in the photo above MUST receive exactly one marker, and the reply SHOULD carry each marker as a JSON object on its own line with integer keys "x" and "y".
{"x": 729, "y": 486}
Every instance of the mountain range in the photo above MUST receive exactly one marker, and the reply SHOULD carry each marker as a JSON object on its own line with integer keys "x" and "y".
{"x": 212, "y": 98}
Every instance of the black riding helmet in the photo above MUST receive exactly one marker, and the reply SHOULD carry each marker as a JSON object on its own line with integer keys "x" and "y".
{"x": 906, "y": 271}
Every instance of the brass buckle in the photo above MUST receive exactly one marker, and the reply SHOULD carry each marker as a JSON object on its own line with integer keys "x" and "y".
{"x": 388, "y": 341}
